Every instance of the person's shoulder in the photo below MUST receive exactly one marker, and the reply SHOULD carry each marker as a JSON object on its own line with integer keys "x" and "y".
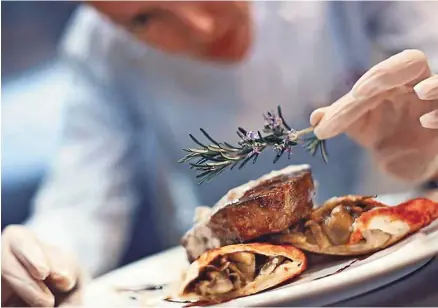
{"x": 91, "y": 38}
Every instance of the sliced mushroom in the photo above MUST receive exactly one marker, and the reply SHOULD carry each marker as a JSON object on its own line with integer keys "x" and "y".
{"x": 330, "y": 227}
{"x": 337, "y": 226}
{"x": 236, "y": 280}
{"x": 245, "y": 263}
{"x": 217, "y": 283}
{"x": 271, "y": 265}
{"x": 203, "y": 287}
{"x": 224, "y": 266}
{"x": 318, "y": 234}
{"x": 234, "y": 271}
{"x": 242, "y": 257}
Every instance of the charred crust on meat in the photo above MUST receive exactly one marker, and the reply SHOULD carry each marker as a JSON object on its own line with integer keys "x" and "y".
{"x": 268, "y": 205}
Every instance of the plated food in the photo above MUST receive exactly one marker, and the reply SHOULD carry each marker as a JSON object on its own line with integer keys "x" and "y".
{"x": 264, "y": 206}
{"x": 239, "y": 270}
{"x": 260, "y": 234}
{"x": 356, "y": 225}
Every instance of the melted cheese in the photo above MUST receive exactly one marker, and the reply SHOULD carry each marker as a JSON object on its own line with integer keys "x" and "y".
{"x": 389, "y": 225}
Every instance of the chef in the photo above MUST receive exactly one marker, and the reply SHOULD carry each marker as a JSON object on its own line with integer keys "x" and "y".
{"x": 143, "y": 75}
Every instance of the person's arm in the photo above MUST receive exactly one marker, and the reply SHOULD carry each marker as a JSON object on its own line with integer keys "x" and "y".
{"x": 86, "y": 203}
{"x": 403, "y": 25}
{"x": 398, "y": 25}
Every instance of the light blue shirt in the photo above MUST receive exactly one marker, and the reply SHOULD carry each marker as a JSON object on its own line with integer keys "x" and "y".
{"x": 130, "y": 109}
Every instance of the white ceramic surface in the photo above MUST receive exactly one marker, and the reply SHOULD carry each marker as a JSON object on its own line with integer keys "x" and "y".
{"x": 313, "y": 288}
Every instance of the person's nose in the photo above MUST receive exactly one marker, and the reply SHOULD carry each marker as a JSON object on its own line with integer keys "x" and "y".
{"x": 200, "y": 24}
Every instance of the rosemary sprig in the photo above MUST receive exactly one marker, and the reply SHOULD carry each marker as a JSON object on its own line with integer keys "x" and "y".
{"x": 215, "y": 158}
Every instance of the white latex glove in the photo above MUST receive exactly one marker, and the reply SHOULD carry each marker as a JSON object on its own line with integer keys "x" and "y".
{"x": 428, "y": 90}
{"x": 34, "y": 273}
{"x": 382, "y": 112}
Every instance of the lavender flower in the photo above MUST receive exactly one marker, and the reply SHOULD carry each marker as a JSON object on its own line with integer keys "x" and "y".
{"x": 251, "y": 136}
{"x": 278, "y": 147}
{"x": 272, "y": 121}
{"x": 255, "y": 150}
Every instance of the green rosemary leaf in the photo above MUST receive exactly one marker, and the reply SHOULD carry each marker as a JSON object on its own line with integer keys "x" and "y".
{"x": 220, "y": 171}
{"x": 196, "y": 141}
{"x": 207, "y": 177}
{"x": 234, "y": 164}
{"x": 215, "y": 164}
{"x": 200, "y": 166}
{"x": 324, "y": 153}
{"x": 231, "y": 146}
{"x": 208, "y": 137}
{"x": 241, "y": 136}
{"x": 212, "y": 158}
{"x": 228, "y": 149}
{"x": 261, "y": 139}
{"x": 215, "y": 149}
{"x": 292, "y": 143}
{"x": 213, "y": 174}
{"x": 198, "y": 151}
{"x": 245, "y": 161}
{"x": 314, "y": 145}
{"x": 215, "y": 158}
{"x": 277, "y": 157}
{"x": 187, "y": 158}
{"x": 236, "y": 158}
{"x": 273, "y": 139}
{"x": 203, "y": 174}
{"x": 242, "y": 130}
{"x": 282, "y": 119}
{"x": 255, "y": 159}
{"x": 199, "y": 162}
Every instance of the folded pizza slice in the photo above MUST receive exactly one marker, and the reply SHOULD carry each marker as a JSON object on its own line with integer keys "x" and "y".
{"x": 357, "y": 225}
{"x": 239, "y": 270}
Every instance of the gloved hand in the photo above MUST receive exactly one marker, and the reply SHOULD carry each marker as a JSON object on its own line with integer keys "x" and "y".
{"x": 34, "y": 273}
{"x": 390, "y": 111}
{"x": 428, "y": 90}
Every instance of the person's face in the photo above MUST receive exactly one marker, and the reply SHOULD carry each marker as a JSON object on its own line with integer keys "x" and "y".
{"x": 219, "y": 31}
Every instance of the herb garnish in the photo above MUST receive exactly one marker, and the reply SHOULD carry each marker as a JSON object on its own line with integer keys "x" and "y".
{"x": 215, "y": 158}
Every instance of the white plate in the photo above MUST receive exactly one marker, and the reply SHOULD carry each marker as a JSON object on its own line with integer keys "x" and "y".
{"x": 317, "y": 286}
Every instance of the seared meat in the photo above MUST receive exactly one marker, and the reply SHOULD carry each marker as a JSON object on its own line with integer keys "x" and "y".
{"x": 268, "y": 205}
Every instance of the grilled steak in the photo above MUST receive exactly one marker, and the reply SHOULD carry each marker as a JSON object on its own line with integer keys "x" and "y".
{"x": 267, "y": 205}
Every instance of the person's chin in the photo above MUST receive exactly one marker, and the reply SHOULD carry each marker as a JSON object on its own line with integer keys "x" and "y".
{"x": 227, "y": 55}
{"x": 231, "y": 58}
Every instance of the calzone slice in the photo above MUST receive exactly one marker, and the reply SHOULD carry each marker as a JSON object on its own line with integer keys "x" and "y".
{"x": 357, "y": 225}
{"x": 239, "y": 270}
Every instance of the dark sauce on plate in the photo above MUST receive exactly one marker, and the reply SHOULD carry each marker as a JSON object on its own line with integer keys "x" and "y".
{"x": 146, "y": 287}
{"x": 345, "y": 267}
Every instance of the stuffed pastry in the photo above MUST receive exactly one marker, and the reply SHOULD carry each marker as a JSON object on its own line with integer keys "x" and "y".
{"x": 239, "y": 270}
{"x": 356, "y": 225}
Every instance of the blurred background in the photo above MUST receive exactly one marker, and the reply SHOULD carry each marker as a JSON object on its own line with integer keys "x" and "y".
{"x": 31, "y": 112}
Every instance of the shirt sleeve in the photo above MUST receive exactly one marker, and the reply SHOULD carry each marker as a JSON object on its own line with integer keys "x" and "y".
{"x": 399, "y": 25}
{"x": 86, "y": 203}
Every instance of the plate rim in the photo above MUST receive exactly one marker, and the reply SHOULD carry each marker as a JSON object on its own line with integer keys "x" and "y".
{"x": 390, "y": 263}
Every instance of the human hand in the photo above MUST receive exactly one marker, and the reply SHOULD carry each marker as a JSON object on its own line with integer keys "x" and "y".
{"x": 387, "y": 111}
{"x": 428, "y": 90}
{"x": 35, "y": 274}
